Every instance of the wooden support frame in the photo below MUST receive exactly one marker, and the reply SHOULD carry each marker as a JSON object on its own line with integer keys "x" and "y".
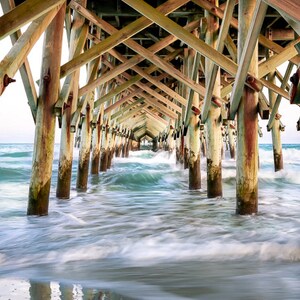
{"x": 278, "y": 98}
{"x": 220, "y": 46}
{"x": 127, "y": 107}
{"x": 24, "y": 13}
{"x": 131, "y": 113}
{"x": 289, "y": 7}
{"x": 25, "y": 70}
{"x": 138, "y": 58}
{"x": 245, "y": 60}
{"x": 68, "y": 83}
{"x": 18, "y": 53}
{"x": 145, "y": 87}
{"x": 117, "y": 38}
{"x": 207, "y": 51}
{"x": 183, "y": 35}
{"x": 194, "y": 76}
{"x": 218, "y": 12}
{"x": 263, "y": 106}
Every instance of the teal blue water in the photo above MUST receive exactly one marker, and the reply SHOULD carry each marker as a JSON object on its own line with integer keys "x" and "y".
{"x": 139, "y": 233}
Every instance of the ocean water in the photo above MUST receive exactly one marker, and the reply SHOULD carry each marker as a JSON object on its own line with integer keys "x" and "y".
{"x": 139, "y": 233}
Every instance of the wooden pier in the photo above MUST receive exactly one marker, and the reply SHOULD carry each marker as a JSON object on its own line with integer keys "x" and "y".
{"x": 189, "y": 76}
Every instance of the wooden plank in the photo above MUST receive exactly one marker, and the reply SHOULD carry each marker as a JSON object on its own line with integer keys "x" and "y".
{"x": 194, "y": 76}
{"x": 263, "y": 107}
{"x": 124, "y": 109}
{"x": 214, "y": 71}
{"x": 183, "y": 35}
{"x": 276, "y": 60}
{"x": 68, "y": 83}
{"x": 231, "y": 47}
{"x": 122, "y": 100}
{"x": 156, "y": 60}
{"x": 134, "y": 60}
{"x": 114, "y": 92}
{"x": 25, "y": 70}
{"x": 155, "y": 117}
{"x": 132, "y": 44}
{"x": 18, "y": 53}
{"x": 289, "y": 7}
{"x": 245, "y": 58}
{"x": 24, "y": 13}
{"x": 131, "y": 113}
{"x": 234, "y": 23}
{"x": 163, "y": 109}
{"x": 278, "y": 98}
{"x": 129, "y": 83}
{"x": 118, "y": 38}
{"x": 151, "y": 79}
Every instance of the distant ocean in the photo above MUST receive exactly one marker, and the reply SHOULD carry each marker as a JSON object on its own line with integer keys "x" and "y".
{"x": 139, "y": 233}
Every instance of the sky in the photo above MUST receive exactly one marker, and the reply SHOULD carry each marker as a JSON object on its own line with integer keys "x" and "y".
{"x": 17, "y": 126}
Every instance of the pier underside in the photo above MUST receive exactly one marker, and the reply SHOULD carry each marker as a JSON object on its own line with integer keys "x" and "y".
{"x": 183, "y": 75}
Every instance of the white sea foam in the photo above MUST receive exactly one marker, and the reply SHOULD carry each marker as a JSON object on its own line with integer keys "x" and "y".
{"x": 150, "y": 251}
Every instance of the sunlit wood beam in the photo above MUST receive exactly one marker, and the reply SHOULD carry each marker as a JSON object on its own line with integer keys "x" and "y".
{"x": 118, "y": 38}
{"x": 24, "y": 13}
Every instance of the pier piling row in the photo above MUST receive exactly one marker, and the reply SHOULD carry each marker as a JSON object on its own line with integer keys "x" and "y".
{"x": 189, "y": 76}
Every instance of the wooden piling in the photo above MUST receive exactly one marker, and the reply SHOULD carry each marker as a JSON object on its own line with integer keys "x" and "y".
{"x": 247, "y": 122}
{"x": 86, "y": 129}
{"x": 39, "y": 189}
{"x": 118, "y": 142}
{"x": 171, "y": 141}
{"x": 213, "y": 122}
{"x": 128, "y": 144}
{"x": 110, "y": 148}
{"x": 231, "y": 140}
{"x": 67, "y": 136}
{"x": 194, "y": 129}
{"x": 85, "y": 148}
{"x": 104, "y": 142}
{"x": 276, "y": 128}
{"x": 96, "y": 142}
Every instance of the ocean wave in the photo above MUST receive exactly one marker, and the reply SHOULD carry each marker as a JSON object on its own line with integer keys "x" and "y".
{"x": 17, "y": 154}
{"x": 150, "y": 251}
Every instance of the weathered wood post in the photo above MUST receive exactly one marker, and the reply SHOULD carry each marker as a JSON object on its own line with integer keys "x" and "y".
{"x": 247, "y": 124}
{"x": 231, "y": 133}
{"x": 86, "y": 129}
{"x": 276, "y": 128}
{"x": 67, "y": 136}
{"x": 186, "y": 149}
{"x": 154, "y": 144}
{"x": 119, "y": 141}
{"x": 111, "y": 146}
{"x": 213, "y": 122}
{"x": 85, "y": 147}
{"x": 171, "y": 141}
{"x": 39, "y": 189}
{"x": 177, "y": 143}
{"x": 194, "y": 128}
{"x": 96, "y": 142}
{"x": 97, "y": 131}
{"x": 104, "y": 145}
{"x": 124, "y": 133}
{"x": 128, "y": 143}
{"x": 203, "y": 141}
